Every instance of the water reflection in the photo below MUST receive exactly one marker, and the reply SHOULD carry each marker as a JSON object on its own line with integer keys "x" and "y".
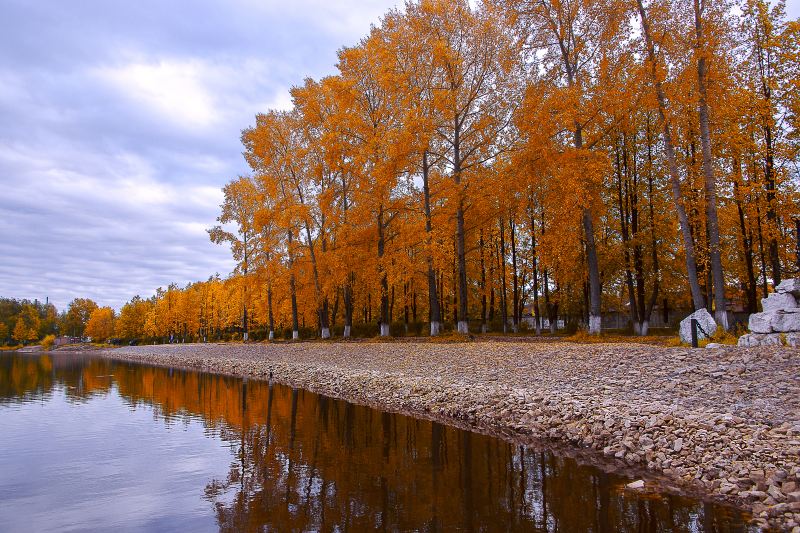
{"x": 300, "y": 461}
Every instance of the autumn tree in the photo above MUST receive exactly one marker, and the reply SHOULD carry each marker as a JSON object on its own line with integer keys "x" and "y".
{"x": 475, "y": 62}
{"x": 239, "y": 208}
{"x": 100, "y": 325}
{"x": 273, "y": 150}
{"x": 78, "y": 312}
{"x": 130, "y": 324}
{"x": 27, "y": 324}
{"x": 657, "y": 83}
{"x": 379, "y": 148}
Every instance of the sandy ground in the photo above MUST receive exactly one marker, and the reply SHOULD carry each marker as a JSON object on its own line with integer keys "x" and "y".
{"x": 723, "y": 423}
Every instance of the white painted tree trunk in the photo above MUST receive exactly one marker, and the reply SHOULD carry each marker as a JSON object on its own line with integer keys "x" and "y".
{"x": 245, "y": 337}
{"x": 384, "y": 330}
{"x": 484, "y": 328}
{"x": 463, "y": 327}
{"x": 295, "y": 335}
{"x": 645, "y": 328}
{"x": 326, "y": 333}
{"x": 594, "y": 324}
{"x": 346, "y": 334}
{"x": 637, "y": 329}
{"x": 721, "y": 318}
{"x": 435, "y": 328}
{"x": 271, "y": 335}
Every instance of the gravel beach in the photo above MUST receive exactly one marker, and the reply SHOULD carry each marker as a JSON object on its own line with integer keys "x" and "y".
{"x": 723, "y": 423}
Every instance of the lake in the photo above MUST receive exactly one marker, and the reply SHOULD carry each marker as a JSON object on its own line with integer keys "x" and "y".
{"x": 92, "y": 444}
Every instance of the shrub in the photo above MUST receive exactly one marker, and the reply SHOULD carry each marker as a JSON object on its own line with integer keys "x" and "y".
{"x": 48, "y": 342}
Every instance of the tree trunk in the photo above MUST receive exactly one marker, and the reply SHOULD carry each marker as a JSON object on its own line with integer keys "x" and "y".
{"x": 463, "y": 323}
{"x": 772, "y": 217}
{"x": 413, "y": 302}
{"x": 764, "y": 288}
{"x": 335, "y": 310}
{"x": 720, "y": 311}
{"x": 322, "y": 312}
{"x": 623, "y": 223}
{"x": 455, "y": 293}
{"x": 433, "y": 301}
{"x": 384, "y": 326}
{"x": 348, "y": 305}
{"x": 269, "y": 312}
{"x": 405, "y": 307}
{"x": 348, "y": 286}
{"x": 565, "y": 36}
{"x": 747, "y": 241}
{"x": 653, "y": 241}
{"x": 595, "y": 319}
{"x": 552, "y": 308}
{"x": 293, "y": 292}
{"x": 484, "y": 327}
{"x": 797, "y": 243}
{"x": 534, "y": 261}
{"x": 672, "y": 166}
{"x": 463, "y": 319}
{"x": 245, "y": 331}
{"x": 501, "y": 260}
{"x": 515, "y": 281}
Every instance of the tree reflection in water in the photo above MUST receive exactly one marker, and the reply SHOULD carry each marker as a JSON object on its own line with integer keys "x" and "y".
{"x": 304, "y": 462}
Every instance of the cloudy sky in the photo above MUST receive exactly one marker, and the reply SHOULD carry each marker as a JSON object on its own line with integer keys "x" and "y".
{"x": 120, "y": 122}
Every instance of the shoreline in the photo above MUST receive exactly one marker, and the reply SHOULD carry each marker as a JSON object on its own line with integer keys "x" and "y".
{"x": 720, "y": 425}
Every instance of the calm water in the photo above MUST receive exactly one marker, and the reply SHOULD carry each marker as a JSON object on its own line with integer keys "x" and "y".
{"x": 92, "y": 444}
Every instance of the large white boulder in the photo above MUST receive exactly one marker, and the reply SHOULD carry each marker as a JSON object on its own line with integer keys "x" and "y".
{"x": 778, "y": 301}
{"x": 761, "y": 322}
{"x": 789, "y": 286}
{"x": 758, "y": 339}
{"x": 786, "y": 321}
{"x": 705, "y": 321}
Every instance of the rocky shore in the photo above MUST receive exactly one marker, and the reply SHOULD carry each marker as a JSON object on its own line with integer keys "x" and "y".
{"x": 723, "y": 423}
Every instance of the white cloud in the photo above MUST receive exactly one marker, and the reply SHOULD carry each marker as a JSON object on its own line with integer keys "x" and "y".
{"x": 174, "y": 89}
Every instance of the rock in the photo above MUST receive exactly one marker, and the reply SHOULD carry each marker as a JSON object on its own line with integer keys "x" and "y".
{"x": 760, "y": 322}
{"x": 786, "y": 321}
{"x": 794, "y": 496}
{"x": 793, "y": 340}
{"x": 779, "y": 301}
{"x": 635, "y": 485}
{"x": 678, "y": 445}
{"x": 749, "y": 340}
{"x": 760, "y": 339}
{"x": 776, "y": 493}
{"x": 789, "y": 286}
{"x": 705, "y": 321}
{"x": 712, "y": 345}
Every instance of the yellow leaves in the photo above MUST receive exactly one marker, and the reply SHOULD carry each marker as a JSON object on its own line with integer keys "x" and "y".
{"x": 100, "y": 326}
{"x": 27, "y": 324}
{"x": 132, "y": 320}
